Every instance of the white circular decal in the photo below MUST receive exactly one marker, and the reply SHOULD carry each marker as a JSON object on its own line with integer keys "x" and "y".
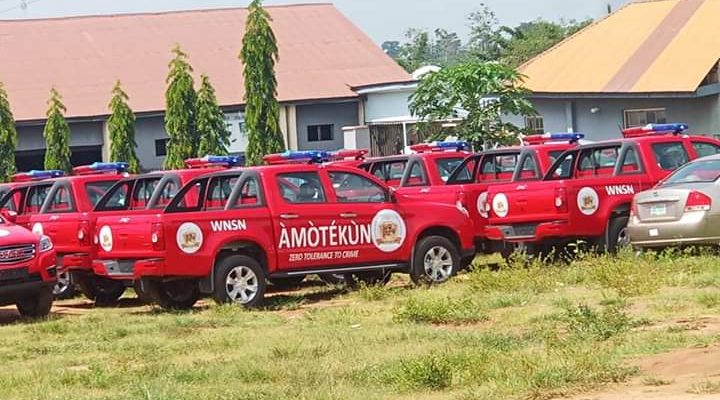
{"x": 38, "y": 229}
{"x": 588, "y": 201}
{"x": 189, "y": 238}
{"x": 105, "y": 238}
{"x": 500, "y": 205}
{"x": 388, "y": 231}
{"x": 481, "y": 204}
{"x": 4, "y": 233}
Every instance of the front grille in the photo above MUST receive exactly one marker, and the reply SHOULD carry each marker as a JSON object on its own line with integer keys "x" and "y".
{"x": 16, "y": 253}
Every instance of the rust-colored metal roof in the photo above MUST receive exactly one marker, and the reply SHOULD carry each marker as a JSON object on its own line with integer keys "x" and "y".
{"x": 660, "y": 46}
{"x": 322, "y": 55}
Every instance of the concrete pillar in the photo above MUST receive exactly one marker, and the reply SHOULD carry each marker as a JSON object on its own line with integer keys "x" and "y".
{"x": 291, "y": 133}
{"x": 569, "y": 117}
{"x": 105, "y": 142}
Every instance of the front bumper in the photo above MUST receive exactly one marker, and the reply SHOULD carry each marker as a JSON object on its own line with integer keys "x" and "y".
{"x": 19, "y": 282}
{"x": 692, "y": 229}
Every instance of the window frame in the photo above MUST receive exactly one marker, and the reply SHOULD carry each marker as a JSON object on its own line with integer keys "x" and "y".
{"x": 165, "y": 142}
{"x": 627, "y": 112}
{"x": 517, "y": 176}
{"x": 102, "y": 203}
{"x": 383, "y": 189}
{"x": 45, "y": 209}
{"x": 280, "y": 175}
{"x": 319, "y": 132}
{"x": 237, "y": 192}
{"x": 425, "y": 181}
{"x": 532, "y": 126}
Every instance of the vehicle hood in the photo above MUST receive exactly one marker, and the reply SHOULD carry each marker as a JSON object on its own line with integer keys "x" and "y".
{"x": 11, "y": 234}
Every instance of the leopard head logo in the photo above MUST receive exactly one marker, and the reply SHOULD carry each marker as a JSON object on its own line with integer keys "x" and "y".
{"x": 388, "y": 233}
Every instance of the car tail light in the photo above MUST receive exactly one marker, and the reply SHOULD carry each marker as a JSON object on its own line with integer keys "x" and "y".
{"x": 157, "y": 236}
{"x": 698, "y": 201}
{"x": 83, "y": 233}
{"x": 561, "y": 200}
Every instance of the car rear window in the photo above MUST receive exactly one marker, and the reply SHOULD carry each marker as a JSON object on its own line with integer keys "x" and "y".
{"x": 446, "y": 166}
{"x": 60, "y": 201}
{"x": 697, "y": 171}
{"x": 670, "y": 156}
{"x": 598, "y": 161}
{"x": 705, "y": 149}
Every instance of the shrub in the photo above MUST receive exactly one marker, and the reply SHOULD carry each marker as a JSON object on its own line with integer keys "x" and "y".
{"x": 585, "y": 321}
{"x": 440, "y": 311}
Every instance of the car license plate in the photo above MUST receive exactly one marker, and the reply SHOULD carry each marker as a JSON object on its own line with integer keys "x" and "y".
{"x": 658, "y": 210}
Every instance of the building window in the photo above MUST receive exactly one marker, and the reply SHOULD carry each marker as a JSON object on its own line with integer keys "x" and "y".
{"x": 635, "y": 118}
{"x": 161, "y": 147}
{"x": 320, "y": 133}
{"x": 535, "y": 125}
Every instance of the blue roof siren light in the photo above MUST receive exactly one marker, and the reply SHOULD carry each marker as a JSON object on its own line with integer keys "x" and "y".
{"x": 102, "y": 167}
{"x": 290, "y": 157}
{"x": 457, "y": 145}
{"x": 655, "y": 129}
{"x": 37, "y": 175}
{"x": 213, "y": 161}
{"x": 553, "y": 137}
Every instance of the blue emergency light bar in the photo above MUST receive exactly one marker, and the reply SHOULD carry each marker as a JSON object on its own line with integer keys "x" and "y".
{"x": 655, "y": 129}
{"x": 37, "y": 175}
{"x": 211, "y": 161}
{"x": 458, "y": 145}
{"x": 553, "y": 137}
{"x": 101, "y": 167}
{"x": 298, "y": 156}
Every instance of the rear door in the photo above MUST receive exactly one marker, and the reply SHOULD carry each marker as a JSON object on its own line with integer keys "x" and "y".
{"x": 59, "y": 218}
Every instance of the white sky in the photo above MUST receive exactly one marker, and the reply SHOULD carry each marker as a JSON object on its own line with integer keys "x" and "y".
{"x": 381, "y": 19}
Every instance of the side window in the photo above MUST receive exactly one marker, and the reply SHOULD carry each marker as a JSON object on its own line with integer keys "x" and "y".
{"x": 353, "y": 188}
{"x": 670, "y": 156}
{"x": 189, "y": 199}
{"x": 705, "y": 149}
{"x": 464, "y": 173}
{"x": 166, "y": 193}
{"x": 116, "y": 198}
{"x": 301, "y": 187}
{"x": 446, "y": 166}
{"x": 219, "y": 191}
{"x": 417, "y": 175}
{"x": 528, "y": 168}
{"x": 11, "y": 200}
{"x": 96, "y": 190}
{"x": 598, "y": 161}
{"x": 35, "y": 198}
{"x": 563, "y": 167}
{"x": 60, "y": 202}
{"x": 248, "y": 195}
{"x": 498, "y": 167}
{"x": 630, "y": 163}
{"x": 142, "y": 193}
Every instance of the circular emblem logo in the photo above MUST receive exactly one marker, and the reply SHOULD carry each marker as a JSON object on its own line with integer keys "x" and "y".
{"x": 388, "y": 231}
{"x": 189, "y": 238}
{"x": 588, "y": 201}
{"x": 4, "y": 233}
{"x": 481, "y": 204}
{"x": 105, "y": 238}
{"x": 500, "y": 205}
{"x": 38, "y": 229}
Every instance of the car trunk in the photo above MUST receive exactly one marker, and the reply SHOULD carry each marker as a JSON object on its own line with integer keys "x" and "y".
{"x": 665, "y": 204}
{"x": 526, "y": 202}
{"x": 125, "y": 236}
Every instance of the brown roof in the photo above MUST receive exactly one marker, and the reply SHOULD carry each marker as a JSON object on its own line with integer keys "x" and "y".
{"x": 322, "y": 55}
{"x": 645, "y": 47}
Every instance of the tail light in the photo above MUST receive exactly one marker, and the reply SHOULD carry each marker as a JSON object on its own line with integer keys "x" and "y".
{"x": 157, "y": 236}
{"x": 698, "y": 201}
{"x": 83, "y": 233}
{"x": 561, "y": 200}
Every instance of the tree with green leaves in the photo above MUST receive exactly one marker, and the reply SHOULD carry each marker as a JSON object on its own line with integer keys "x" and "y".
{"x": 8, "y": 137}
{"x": 527, "y": 40}
{"x": 180, "y": 99}
{"x": 121, "y": 129}
{"x": 210, "y": 123}
{"x": 483, "y": 34}
{"x": 479, "y": 92}
{"x": 262, "y": 112}
{"x": 57, "y": 135}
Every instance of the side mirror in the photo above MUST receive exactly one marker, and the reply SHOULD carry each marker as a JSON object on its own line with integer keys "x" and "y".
{"x": 9, "y": 215}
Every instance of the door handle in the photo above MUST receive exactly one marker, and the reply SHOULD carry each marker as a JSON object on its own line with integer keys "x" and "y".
{"x": 124, "y": 220}
{"x": 521, "y": 187}
{"x": 54, "y": 218}
{"x": 289, "y": 216}
{"x": 348, "y": 215}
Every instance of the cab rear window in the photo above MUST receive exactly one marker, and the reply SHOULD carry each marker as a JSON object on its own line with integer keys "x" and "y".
{"x": 670, "y": 156}
{"x": 60, "y": 201}
{"x": 301, "y": 187}
{"x": 498, "y": 167}
{"x": 96, "y": 190}
{"x": 705, "y": 149}
{"x": 219, "y": 191}
{"x": 598, "y": 161}
{"x": 446, "y": 166}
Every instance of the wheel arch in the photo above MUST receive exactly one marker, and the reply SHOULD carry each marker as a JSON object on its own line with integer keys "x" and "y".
{"x": 439, "y": 230}
{"x": 234, "y": 246}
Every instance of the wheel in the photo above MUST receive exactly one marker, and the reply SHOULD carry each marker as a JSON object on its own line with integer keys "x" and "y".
{"x": 143, "y": 293}
{"x": 36, "y": 306}
{"x": 103, "y": 291}
{"x": 435, "y": 260}
{"x": 617, "y": 237}
{"x": 181, "y": 294}
{"x": 65, "y": 287}
{"x": 239, "y": 279}
{"x": 332, "y": 279}
{"x": 287, "y": 283}
{"x": 370, "y": 278}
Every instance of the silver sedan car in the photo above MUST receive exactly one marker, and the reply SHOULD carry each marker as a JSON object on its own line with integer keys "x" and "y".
{"x": 682, "y": 210}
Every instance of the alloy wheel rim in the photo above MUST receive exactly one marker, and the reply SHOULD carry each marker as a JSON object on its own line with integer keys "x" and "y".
{"x": 438, "y": 264}
{"x": 63, "y": 283}
{"x": 623, "y": 240}
{"x": 241, "y": 284}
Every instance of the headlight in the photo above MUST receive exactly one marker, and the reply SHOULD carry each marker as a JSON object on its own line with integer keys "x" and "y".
{"x": 45, "y": 244}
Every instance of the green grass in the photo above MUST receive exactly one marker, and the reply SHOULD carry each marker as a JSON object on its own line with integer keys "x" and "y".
{"x": 526, "y": 331}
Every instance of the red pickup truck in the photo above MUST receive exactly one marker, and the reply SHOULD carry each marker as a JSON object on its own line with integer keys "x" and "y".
{"x": 586, "y": 195}
{"x": 284, "y": 221}
{"x": 130, "y": 204}
{"x": 27, "y": 269}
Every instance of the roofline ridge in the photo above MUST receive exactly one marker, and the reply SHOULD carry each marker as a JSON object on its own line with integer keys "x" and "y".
{"x": 156, "y": 13}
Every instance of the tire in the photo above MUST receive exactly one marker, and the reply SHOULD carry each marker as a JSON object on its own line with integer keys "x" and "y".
{"x": 38, "y": 305}
{"x": 369, "y": 278}
{"x": 332, "y": 279}
{"x": 287, "y": 283}
{"x": 104, "y": 291}
{"x": 616, "y": 237}
{"x": 435, "y": 260}
{"x": 65, "y": 287}
{"x": 175, "y": 295}
{"x": 239, "y": 280}
{"x": 143, "y": 294}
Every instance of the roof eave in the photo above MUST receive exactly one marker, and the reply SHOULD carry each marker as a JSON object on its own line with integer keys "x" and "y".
{"x": 702, "y": 91}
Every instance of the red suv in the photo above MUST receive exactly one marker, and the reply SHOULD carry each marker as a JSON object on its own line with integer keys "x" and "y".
{"x": 586, "y": 195}
{"x": 64, "y": 215}
{"x": 123, "y": 212}
{"x": 224, "y": 234}
{"x": 27, "y": 269}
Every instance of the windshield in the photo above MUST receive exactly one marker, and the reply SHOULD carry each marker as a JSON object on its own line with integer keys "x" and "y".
{"x": 698, "y": 171}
